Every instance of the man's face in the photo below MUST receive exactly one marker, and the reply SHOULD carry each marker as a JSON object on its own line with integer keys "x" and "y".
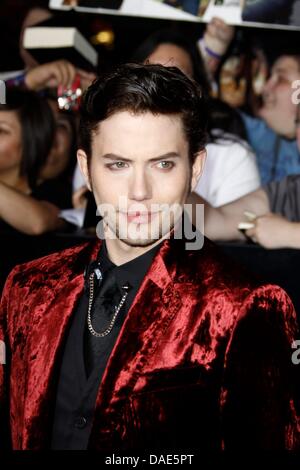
{"x": 278, "y": 110}
{"x": 140, "y": 167}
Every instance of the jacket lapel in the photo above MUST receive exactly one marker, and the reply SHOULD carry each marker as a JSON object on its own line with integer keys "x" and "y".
{"x": 154, "y": 308}
{"x": 49, "y": 325}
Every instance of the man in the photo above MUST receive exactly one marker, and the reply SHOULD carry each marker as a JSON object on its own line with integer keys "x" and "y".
{"x": 155, "y": 346}
{"x": 273, "y": 135}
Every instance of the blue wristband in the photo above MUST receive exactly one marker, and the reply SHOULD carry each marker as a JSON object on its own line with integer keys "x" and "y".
{"x": 18, "y": 81}
{"x": 212, "y": 53}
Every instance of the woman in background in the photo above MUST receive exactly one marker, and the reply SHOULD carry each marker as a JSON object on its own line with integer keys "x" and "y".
{"x": 55, "y": 177}
{"x": 27, "y": 131}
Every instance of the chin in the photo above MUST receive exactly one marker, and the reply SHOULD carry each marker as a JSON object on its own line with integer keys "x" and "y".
{"x": 139, "y": 235}
{"x": 138, "y": 242}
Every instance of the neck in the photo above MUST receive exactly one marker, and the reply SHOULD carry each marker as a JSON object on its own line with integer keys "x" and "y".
{"x": 121, "y": 253}
{"x": 13, "y": 179}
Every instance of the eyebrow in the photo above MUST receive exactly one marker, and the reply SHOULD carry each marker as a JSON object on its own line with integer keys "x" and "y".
{"x": 112, "y": 156}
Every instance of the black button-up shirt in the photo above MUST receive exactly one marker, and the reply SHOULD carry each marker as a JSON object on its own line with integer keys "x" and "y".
{"x": 76, "y": 393}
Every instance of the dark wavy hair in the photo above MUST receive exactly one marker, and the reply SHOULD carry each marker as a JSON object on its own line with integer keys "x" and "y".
{"x": 145, "y": 88}
{"x": 38, "y": 127}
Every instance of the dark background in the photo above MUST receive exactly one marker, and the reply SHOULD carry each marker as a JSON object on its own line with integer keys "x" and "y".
{"x": 129, "y": 33}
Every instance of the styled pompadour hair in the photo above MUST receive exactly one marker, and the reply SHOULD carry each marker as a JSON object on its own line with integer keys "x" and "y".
{"x": 145, "y": 88}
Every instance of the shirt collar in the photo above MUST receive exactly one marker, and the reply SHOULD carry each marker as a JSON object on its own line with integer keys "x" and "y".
{"x": 133, "y": 271}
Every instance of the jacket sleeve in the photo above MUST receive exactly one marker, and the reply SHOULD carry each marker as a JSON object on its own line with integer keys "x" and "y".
{"x": 5, "y": 364}
{"x": 260, "y": 400}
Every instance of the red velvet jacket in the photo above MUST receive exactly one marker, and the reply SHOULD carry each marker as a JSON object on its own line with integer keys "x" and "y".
{"x": 203, "y": 359}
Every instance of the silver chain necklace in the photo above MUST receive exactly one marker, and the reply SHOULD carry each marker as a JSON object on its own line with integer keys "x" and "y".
{"x": 101, "y": 334}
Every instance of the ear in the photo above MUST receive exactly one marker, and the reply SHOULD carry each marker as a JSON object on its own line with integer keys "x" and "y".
{"x": 84, "y": 168}
{"x": 197, "y": 169}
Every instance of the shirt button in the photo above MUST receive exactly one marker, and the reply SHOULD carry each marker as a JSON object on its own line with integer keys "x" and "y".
{"x": 80, "y": 422}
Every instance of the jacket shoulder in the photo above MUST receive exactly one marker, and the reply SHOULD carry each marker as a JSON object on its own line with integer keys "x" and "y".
{"x": 224, "y": 277}
{"x": 215, "y": 268}
{"x": 68, "y": 260}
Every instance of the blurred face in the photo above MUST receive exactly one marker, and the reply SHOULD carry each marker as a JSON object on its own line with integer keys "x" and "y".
{"x": 60, "y": 154}
{"x": 170, "y": 55}
{"x": 10, "y": 142}
{"x": 278, "y": 110}
{"x": 140, "y": 170}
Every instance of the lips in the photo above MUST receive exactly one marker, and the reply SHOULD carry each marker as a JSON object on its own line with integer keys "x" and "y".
{"x": 140, "y": 217}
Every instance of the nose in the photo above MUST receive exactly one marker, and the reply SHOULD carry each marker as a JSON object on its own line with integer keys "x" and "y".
{"x": 140, "y": 187}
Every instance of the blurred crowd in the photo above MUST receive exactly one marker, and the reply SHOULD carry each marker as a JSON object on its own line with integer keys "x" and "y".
{"x": 251, "y": 180}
